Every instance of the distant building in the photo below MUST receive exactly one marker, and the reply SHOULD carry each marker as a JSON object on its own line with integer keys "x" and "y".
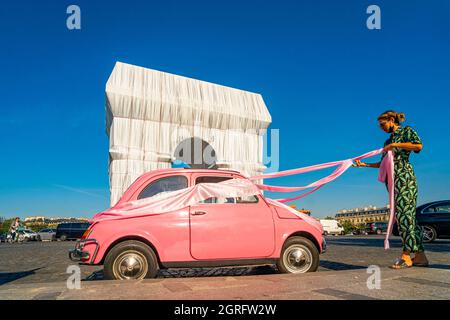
{"x": 35, "y": 219}
{"x": 363, "y": 215}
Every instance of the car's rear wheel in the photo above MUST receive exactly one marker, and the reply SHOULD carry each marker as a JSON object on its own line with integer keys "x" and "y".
{"x": 63, "y": 237}
{"x": 429, "y": 234}
{"x": 299, "y": 255}
{"x": 130, "y": 260}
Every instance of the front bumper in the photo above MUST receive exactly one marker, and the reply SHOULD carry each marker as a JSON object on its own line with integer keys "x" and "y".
{"x": 84, "y": 257}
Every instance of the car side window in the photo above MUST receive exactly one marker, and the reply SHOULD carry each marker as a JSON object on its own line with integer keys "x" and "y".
{"x": 443, "y": 208}
{"x": 212, "y": 179}
{"x": 171, "y": 183}
{"x": 247, "y": 199}
{"x": 431, "y": 209}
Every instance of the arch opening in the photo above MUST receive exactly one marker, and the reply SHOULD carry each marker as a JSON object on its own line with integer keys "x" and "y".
{"x": 195, "y": 153}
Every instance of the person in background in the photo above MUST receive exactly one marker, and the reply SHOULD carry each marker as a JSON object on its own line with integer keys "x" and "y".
{"x": 14, "y": 228}
{"x": 402, "y": 141}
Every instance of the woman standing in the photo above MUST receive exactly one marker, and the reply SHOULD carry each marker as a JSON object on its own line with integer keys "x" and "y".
{"x": 402, "y": 141}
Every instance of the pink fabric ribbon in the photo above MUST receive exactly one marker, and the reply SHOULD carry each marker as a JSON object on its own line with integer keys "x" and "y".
{"x": 386, "y": 173}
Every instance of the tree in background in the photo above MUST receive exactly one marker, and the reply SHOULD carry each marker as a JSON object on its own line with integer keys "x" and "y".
{"x": 36, "y": 227}
{"x": 5, "y": 225}
{"x": 348, "y": 226}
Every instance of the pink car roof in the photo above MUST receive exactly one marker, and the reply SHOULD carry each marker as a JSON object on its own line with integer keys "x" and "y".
{"x": 145, "y": 176}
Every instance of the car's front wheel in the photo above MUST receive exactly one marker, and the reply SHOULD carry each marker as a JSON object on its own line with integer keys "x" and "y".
{"x": 130, "y": 260}
{"x": 299, "y": 255}
{"x": 429, "y": 234}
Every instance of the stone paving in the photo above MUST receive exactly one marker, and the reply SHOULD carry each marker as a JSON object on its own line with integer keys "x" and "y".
{"x": 38, "y": 271}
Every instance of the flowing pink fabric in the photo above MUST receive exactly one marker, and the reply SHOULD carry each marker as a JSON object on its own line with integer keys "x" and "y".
{"x": 176, "y": 200}
{"x": 386, "y": 173}
{"x": 343, "y": 166}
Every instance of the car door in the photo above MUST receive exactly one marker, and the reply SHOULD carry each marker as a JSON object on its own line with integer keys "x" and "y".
{"x": 231, "y": 228}
{"x": 43, "y": 234}
{"x": 430, "y": 216}
{"x": 442, "y": 215}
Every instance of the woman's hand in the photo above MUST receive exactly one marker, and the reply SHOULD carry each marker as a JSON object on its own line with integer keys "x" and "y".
{"x": 389, "y": 147}
{"x": 359, "y": 163}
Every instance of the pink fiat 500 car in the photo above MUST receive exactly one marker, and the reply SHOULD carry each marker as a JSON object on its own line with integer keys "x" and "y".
{"x": 213, "y": 233}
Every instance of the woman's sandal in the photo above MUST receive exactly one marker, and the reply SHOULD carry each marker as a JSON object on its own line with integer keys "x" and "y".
{"x": 400, "y": 264}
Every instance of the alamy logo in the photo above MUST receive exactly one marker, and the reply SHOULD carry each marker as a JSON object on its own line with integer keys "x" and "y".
{"x": 74, "y": 280}
{"x": 374, "y": 280}
{"x": 73, "y": 21}
{"x": 374, "y": 20}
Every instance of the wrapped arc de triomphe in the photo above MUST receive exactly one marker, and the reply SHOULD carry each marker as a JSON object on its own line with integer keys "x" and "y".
{"x": 154, "y": 118}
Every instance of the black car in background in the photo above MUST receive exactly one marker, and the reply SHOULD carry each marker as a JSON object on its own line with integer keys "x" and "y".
{"x": 376, "y": 227}
{"x": 434, "y": 218}
{"x": 71, "y": 230}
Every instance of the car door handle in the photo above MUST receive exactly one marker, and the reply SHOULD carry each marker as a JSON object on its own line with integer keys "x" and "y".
{"x": 198, "y": 213}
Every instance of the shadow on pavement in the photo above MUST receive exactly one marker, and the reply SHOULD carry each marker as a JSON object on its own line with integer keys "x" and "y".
{"x": 6, "y": 277}
{"x": 439, "y": 266}
{"x": 202, "y": 272}
{"x": 96, "y": 275}
{"x": 339, "y": 266}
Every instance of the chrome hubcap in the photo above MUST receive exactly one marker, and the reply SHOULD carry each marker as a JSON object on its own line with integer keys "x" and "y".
{"x": 130, "y": 265}
{"x": 297, "y": 259}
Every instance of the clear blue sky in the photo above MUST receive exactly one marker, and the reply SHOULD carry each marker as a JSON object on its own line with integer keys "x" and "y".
{"x": 323, "y": 75}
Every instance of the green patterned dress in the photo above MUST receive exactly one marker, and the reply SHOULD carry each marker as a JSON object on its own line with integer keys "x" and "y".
{"x": 405, "y": 191}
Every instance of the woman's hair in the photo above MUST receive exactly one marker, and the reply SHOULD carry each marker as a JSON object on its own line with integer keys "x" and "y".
{"x": 397, "y": 116}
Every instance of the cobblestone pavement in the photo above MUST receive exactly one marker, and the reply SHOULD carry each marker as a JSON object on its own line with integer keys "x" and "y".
{"x": 47, "y": 262}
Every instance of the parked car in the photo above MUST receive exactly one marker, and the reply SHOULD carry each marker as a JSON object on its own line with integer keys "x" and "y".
{"x": 47, "y": 234}
{"x": 70, "y": 230}
{"x": 331, "y": 227}
{"x": 27, "y": 234}
{"x": 3, "y": 237}
{"x": 376, "y": 227}
{"x": 434, "y": 218}
{"x": 208, "y": 234}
